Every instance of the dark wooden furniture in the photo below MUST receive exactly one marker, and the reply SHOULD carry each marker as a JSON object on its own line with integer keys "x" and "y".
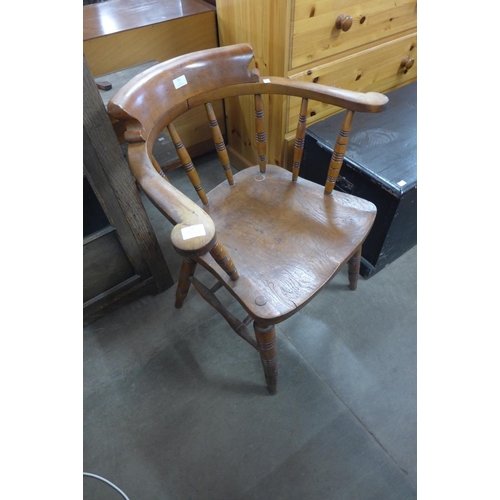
{"x": 271, "y": 238}
{"x": 380, "y": 166}
{"x": 121, "y": 255}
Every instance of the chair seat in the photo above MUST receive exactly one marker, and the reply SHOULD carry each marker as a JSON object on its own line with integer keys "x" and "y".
{"x": 287, "y": 239}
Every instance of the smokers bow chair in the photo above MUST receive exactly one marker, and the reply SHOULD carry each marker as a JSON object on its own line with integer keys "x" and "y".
{"x": 270, "y": 237}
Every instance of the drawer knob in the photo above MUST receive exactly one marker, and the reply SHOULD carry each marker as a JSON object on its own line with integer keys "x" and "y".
{"x": 343, "y": 22}
{"x": 407, "y": 62}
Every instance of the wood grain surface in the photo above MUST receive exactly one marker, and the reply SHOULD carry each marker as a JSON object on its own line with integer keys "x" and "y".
{"x": 287, "y": 239}
{"x": 115, "y": 16}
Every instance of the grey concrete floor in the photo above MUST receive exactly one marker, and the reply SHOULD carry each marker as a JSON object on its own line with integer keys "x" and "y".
{"x": 175, "y": 404}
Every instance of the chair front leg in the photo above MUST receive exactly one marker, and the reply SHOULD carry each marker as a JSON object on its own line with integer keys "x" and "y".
{"x": 354, "y": 264}
{"x": 222, "y": 257}
{"x": 266, "y": 342}
{"x": 187, "y": 270}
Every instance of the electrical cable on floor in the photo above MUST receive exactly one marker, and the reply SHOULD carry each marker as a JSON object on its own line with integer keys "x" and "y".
{"x": 107, "y": 482}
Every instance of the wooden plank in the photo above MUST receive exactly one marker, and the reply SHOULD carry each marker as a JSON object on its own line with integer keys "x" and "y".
{"x": 97, "y": 178}
{"x": 104, "y": 163}
{"x": 98, "y": 234}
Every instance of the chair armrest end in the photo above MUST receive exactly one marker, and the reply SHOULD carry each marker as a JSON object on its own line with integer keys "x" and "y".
{"x": 193, "y": 240}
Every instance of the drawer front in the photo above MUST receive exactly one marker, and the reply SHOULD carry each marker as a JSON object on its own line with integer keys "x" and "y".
{"x": 315, "y": 35}
{"x": 378, "y": 69}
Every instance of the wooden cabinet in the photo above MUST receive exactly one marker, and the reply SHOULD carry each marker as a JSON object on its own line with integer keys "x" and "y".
{"x": 118, "y": 34}
{"x": 122, "y": 258}
{"x": 125, "y": 33}
{"x": 366, "y": 45}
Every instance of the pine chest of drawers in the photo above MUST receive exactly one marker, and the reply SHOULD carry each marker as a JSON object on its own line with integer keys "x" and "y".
{"x": 366, "y": 45}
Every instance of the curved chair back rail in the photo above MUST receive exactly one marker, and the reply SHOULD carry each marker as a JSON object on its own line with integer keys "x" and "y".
{"x": 175, "y": 86}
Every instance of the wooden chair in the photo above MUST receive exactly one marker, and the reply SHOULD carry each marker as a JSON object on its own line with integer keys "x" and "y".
{"x": 270, "y": 237}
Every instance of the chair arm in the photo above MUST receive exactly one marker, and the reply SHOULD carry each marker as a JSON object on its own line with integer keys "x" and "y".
{"x": 194, "y": 231}
{"x": 368, "y": 102}
{"x": 365, "y": 102}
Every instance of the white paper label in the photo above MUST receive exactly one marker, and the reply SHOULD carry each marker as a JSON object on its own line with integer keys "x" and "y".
{"x": 401, "y": 183}
{"x": 180, "y": 82}
{"x": 193, "y": 231}
{"x": 266, "y": 80}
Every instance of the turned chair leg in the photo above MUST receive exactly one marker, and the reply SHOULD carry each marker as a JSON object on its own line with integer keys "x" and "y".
{"x": 187, "y": 270}
{"x": 221, "y": 256}
{"x": 354, "y": 264}
{"x": 266, "y": 342}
